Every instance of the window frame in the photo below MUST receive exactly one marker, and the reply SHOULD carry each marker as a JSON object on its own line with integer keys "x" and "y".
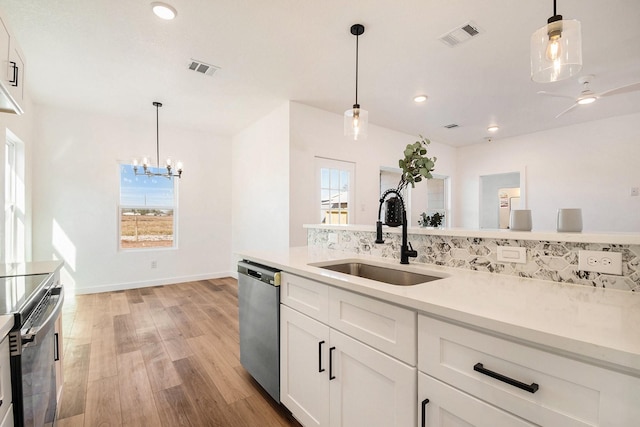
{"x": 120, "y": 206}
{"x": 342, "y": 166}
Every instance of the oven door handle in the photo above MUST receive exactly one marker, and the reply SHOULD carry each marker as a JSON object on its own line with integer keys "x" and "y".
{"x": 30, "y": 338}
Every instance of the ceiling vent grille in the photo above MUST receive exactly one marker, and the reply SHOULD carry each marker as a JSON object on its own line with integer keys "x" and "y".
{"x": 202, "y": 68}
{"x": 451, "y": 126}
{"x": 460, "y": 34}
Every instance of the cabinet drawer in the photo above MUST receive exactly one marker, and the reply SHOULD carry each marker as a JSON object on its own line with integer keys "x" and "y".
{"x": 387, "y": 327}
{"x": 569, "y": 392}
{"x": 447, "y": 406}
{"x": 306, "y": 296}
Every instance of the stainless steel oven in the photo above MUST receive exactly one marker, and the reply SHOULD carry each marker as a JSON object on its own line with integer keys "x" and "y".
{"x": 35, "y": 301}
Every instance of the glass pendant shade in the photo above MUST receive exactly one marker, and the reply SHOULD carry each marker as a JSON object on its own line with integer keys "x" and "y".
{"x": 356, "y": 121}
{"x": 556, "y": 50}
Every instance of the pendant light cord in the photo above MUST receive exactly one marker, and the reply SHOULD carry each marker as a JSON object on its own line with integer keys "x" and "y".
{"x": 357, "y": 38}
{"x": 157, "y": 137}
{"x": 554, "y": 8}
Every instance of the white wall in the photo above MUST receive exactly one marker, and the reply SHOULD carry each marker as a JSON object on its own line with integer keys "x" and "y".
{"x": 592, "y": 166}
{"x": 76, "y": 192}
{"x": 319, "y": 133}
{"x": 260, "y": 184}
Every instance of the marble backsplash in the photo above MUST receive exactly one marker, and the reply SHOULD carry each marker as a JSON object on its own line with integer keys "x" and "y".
{"x": 546, "y": 260}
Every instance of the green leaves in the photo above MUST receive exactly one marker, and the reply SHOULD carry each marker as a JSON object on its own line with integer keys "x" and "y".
{"x": 416, "y": 165}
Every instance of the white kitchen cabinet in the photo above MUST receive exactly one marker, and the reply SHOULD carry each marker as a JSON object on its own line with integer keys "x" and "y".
{"x": 304, "y": 367}
{"x": 5, "y": 379}
{"x": 441, "y": 405}
{"x": 539, "y": 386}
{"x": 12, "y": 72}
{"x": 328, "y": 378}
{"x": 369, "y": 388}
{"x": 59, "y": 359}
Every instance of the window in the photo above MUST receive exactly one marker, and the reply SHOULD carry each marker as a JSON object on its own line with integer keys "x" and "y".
{"x": 335, "y": 183}
{"x": 437, "y": 201}
{"x": 147, "y": 210}
{"x": 14, "y": 200}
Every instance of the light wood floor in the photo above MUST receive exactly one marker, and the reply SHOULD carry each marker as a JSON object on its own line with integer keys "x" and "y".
{"x": 160, "y": 356}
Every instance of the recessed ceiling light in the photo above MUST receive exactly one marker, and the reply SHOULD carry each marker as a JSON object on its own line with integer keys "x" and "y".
{"x": 163, "y": 10}
{"x": 420, "y": 98}
{"x": 493, "y": 128}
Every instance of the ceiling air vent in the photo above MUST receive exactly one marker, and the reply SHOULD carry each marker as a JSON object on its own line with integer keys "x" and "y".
{"x": 203, "y": 68}
{"x": 460, "y": 34}
{"x": 451, "y": 126}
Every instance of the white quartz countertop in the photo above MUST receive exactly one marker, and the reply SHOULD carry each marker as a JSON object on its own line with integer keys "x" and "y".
{"x": 29, "y": 268}
{"x": 594, "y": 324}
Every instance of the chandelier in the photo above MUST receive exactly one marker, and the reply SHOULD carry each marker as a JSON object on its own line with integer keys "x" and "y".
{"x": 146, "y": 165}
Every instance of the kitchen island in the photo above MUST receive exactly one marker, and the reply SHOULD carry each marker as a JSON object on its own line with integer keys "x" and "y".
{"x": 589, "y": 331}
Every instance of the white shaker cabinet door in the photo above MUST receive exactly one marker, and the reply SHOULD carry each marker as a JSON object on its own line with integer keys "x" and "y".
{"x": 304, "y": 367}
{"x": 441, "y": 405}
{"x": 369, "y": 388}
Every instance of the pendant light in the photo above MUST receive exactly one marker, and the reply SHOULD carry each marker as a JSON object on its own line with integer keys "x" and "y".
{"x": 356, "y": 119}
{"x": 169, "y": 166}
{"x": 556, "y": 49}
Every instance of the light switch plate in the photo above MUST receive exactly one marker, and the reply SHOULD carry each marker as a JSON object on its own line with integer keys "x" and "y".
{"x": 600, "y": 262}
{"x": 512, "y": 254}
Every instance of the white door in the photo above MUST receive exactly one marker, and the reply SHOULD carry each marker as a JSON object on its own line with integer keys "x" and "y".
{"x": 369, "y": 388}
{"x": 304, "y": 367}
{"x": 441, "y": 405}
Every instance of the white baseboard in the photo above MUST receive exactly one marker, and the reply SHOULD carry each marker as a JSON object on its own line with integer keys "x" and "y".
{"x": 148, "y": 283}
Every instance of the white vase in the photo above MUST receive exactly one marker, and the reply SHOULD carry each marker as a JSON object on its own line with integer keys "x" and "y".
{"x": 569, "y": 220}
{"x": 520, "y": 220}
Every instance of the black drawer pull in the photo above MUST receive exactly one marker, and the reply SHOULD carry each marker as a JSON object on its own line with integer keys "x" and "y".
{"x": 320, "y": 368}
{"x": 530, "y": 388}
{"x": 331, "y": 376}
{"x": 424, "y": 412}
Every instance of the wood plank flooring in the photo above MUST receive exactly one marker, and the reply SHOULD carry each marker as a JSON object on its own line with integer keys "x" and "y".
{"x": 160, "y": 356}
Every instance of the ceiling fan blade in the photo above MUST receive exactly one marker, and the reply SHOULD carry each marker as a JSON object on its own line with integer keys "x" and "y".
{"x": 568, "y": 109}
{"x": 623, "y": 89}
{"x": 559, "y": 95}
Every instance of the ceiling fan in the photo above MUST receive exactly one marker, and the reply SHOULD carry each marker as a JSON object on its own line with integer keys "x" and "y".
{"x": 587, "y": 96}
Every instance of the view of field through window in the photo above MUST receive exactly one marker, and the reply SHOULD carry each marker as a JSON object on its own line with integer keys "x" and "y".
{"x": 147, "y": 206}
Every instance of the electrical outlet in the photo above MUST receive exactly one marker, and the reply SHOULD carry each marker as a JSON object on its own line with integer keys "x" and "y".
{"x": 600, "y": 262}
{"x": 154, "y": 264}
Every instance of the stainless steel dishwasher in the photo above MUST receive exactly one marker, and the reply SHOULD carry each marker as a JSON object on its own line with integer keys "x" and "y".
{"x": 259, "y": 315}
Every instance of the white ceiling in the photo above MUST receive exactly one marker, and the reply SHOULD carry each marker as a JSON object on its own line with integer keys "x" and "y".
{"x": 116, "y": 57}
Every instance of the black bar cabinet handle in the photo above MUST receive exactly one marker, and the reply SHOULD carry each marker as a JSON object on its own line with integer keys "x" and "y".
{"x": 14, "y": 80}
{"x": 530, "y": 388}
{"x": 331, "y": 376}
{"x": 56, "y": 348}
{"x": 320, "y": 368}
{"x": 424, "y": 412}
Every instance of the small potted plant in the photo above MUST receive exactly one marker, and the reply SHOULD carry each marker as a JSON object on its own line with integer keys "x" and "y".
{"x": 434, "y": 220}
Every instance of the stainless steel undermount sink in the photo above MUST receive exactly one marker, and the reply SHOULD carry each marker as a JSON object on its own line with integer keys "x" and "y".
{"x": 378, "y": 273}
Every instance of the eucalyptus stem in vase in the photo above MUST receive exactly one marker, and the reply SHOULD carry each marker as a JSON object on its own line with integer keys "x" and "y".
{"x": 416, "y": 165}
